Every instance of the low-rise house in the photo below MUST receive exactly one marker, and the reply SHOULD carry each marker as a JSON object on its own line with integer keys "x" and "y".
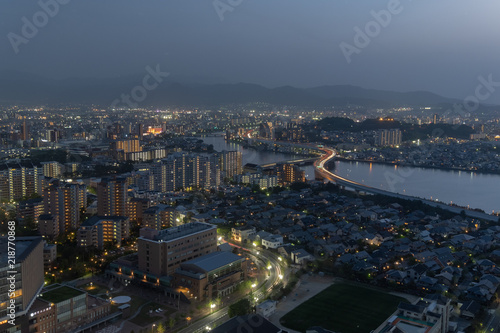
{"x": 301, "y": 256}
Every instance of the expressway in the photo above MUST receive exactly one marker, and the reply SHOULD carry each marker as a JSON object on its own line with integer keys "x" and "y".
{"x": 329, "y": 154}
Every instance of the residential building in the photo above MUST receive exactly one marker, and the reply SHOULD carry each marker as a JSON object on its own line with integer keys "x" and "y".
{"x": 289, "y": 173}
{"x": 98, "y": 231}
{"x": 301, "y": 256}
{"x": 112, "y": 197}
{"x": 19, "y": 180}
{"x": 266, "y": 308}
{"x": 66, "y": 201}
{"x": 430, "y": 314}
{"x": 136, "y": 209}
{"x": 159, "y": 217}
{"x": 49, "y": 253}
{"x": 388, "y": 137}
{"x": 30, "y": 210}
{"x": 243, "y": 234}
{"x": 272, "y": 242}
{"x": 230, "y": 163}
{"x": 52, "y": 169}
{"x": 48, "y": 225}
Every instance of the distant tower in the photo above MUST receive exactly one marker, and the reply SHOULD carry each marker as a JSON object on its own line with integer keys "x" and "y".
{"x": 435, "y": 119}
{"x": 25, "y": 134}
{"x": 141, "y": 131}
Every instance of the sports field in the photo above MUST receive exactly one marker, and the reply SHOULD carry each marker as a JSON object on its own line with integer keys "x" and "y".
{"x": 343, "y": 308}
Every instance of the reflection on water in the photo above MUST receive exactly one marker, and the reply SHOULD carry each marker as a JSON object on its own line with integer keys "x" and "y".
{"x": 458, "y": 187}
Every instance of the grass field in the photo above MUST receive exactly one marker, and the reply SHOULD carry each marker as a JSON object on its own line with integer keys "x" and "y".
{"x": 343, "y": 308}
{"x": 144, "y": 318}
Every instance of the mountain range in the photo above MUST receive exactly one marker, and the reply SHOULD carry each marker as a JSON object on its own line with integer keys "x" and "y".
{"x": 17, "y": 87}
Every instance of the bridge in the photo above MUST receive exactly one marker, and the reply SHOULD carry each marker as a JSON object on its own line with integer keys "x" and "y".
{"x": 322, "y": 172}
{"x": 303, "y": 161}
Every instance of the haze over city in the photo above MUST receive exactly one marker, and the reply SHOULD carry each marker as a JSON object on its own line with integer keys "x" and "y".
{"x": 441, "y": 47}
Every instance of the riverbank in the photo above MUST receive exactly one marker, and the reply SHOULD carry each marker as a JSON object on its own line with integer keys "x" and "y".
{"x": 425, "y": 166}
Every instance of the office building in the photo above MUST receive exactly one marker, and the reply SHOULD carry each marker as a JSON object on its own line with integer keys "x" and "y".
{"x": 213, "y": 275}
{"x": 161, "y": 252}
{"x": 98, "y": 231}
{"x": 28, "y": 279}
{"x": 62, "y": 308}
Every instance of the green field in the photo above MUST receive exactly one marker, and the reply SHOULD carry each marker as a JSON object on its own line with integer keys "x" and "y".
{"x": 343, "y": 308}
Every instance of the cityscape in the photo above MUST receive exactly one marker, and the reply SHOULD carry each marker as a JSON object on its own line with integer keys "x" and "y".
{"x": 251, "y": 178}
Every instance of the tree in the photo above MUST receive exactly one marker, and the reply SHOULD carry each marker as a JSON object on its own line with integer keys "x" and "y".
{"x": 160, "y": 328}
{"x": 170, "y": 322}
{"x": 240, "y": 308}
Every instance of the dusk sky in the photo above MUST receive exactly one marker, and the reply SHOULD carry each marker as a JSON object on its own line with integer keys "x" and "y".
{"x": 439, "y": 46}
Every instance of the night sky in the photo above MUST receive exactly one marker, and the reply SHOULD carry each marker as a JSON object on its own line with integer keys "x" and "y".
{"x": 439, "y": 46}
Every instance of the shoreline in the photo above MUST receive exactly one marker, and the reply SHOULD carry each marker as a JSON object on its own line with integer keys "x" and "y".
{"x": 405, "y": 165}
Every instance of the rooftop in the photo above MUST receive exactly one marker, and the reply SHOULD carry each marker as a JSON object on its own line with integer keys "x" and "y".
{"x": 24, "y": 246}
{"x": 96, "y": 219}
{"x": 60, "y": 293}
{"x": 214, "y": 260}
{"x": 184, "y": 230}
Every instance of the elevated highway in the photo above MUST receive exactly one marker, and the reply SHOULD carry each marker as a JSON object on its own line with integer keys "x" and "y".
{"x": 324, "y": 173}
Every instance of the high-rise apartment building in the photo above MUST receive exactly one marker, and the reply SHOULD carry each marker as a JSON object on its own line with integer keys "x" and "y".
{"x": 52, "y": 169}
{"x": 391, "y": 137}
{"x": 182, "y": 171}
{"x": 18, "y": 180}
{"x": 98, "y": 231}
{"x": 112, "y": 197}
{"x": 65, "y": 200}
{"x": 289, "y": 173}
{"x": 230, "y": 163}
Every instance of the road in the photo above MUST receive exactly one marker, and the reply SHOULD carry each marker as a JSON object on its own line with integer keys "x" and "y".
{"x": 276, "y": 275}
{"x": 493, "y": 321}
{"x": 325, "y": 173}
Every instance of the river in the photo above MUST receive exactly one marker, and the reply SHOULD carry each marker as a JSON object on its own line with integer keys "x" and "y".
{"x": 463, "y": 188}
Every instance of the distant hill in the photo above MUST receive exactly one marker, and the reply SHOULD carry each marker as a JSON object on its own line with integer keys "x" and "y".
{"x": 26, "y": 88}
